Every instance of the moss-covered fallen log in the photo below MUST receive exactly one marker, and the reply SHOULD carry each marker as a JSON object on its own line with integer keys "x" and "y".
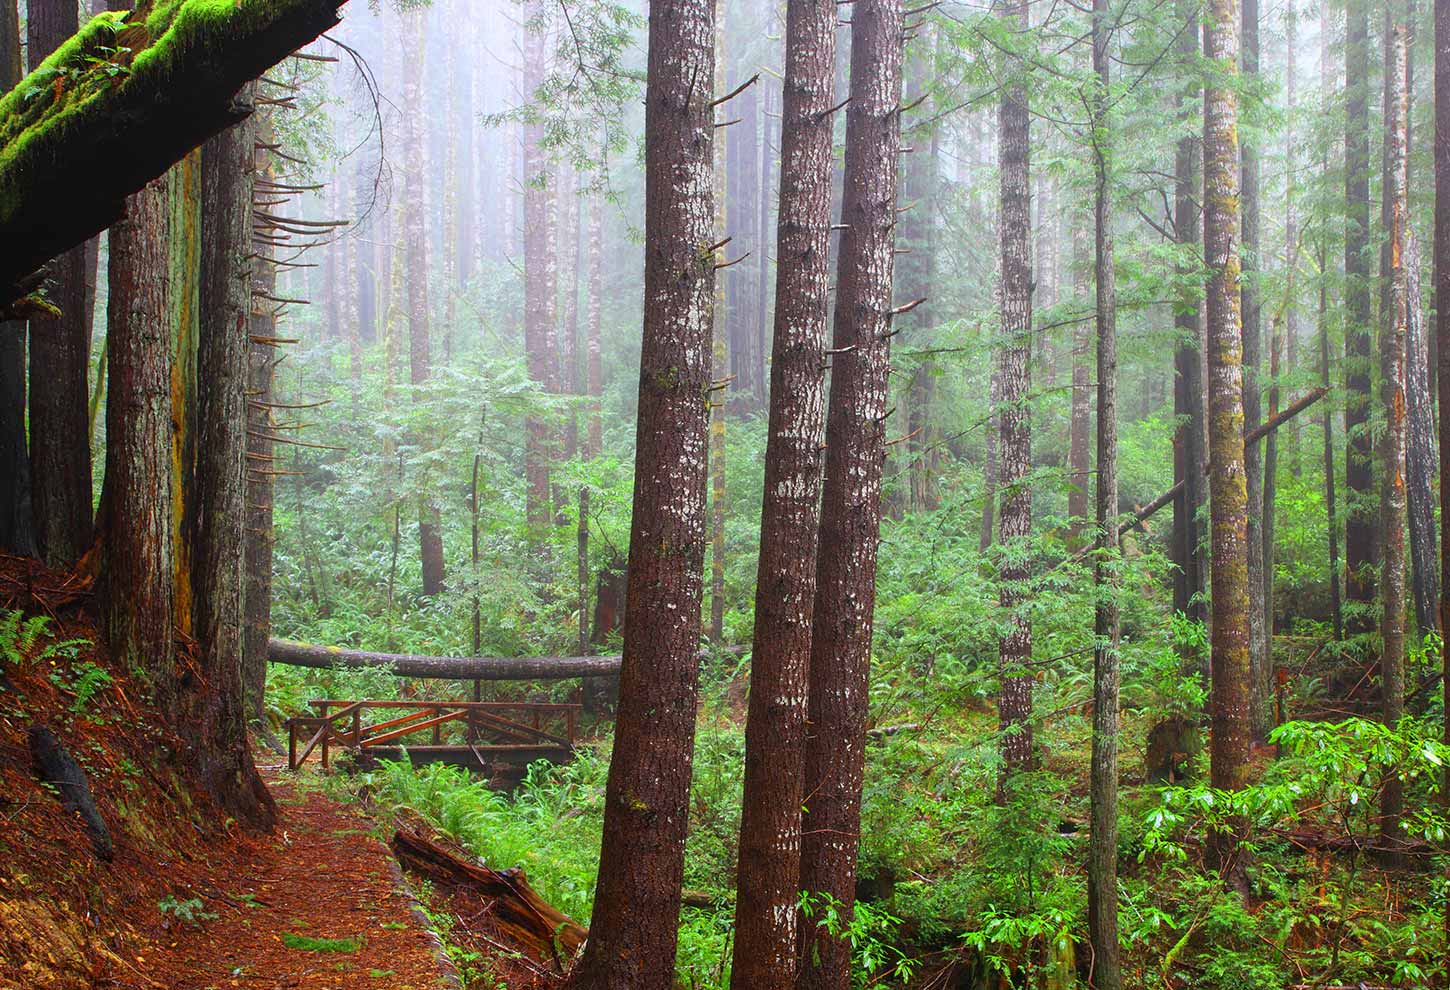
{"x": 296, "y": 654}
{"x": 119, "y": 104}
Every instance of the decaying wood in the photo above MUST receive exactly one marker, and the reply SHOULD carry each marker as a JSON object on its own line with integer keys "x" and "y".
{"x": 51, "y": 195}
{"x": 56, "y": 767}
{"x": 531, "y": 922}
{"x": 442, "y": 668}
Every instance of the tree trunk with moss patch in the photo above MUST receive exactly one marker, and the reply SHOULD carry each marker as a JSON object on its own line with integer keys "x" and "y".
{"x": 634, "y": 930}
{"x": 1230, "y": 703}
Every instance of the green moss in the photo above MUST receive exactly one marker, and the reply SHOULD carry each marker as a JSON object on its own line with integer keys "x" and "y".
{"x": 72, "y": 89}
{"x": 305, "y": 943}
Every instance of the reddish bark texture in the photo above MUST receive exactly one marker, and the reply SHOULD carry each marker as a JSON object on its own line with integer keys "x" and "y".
{"x": 637, "y": 900}
{"x": 851, "y": 502}
{"x": 1014, "y": 424}
{"x": 216, "y": 720}
{"x": 770, "y": 840}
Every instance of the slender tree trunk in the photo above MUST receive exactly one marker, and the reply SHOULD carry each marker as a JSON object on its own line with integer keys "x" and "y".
{"x": 720, "y": 352}
{"x": 916, "y": 274}
{"x": 1259, "y": 640}
{"x": 989, "y": 464}
{"x": 420, "y": 361}
{"x": 1421, "y": 464}
{"x": 1191, "y": 582}
{"x": 1361, "y": 519}
{"x": 60, "y": 448}
{"x": 1392, "y": 443}
{"x": 768, "y": 879}
{"x": 218, "y": 719}
{"x": 594, "y": 358}
{"x": 1231, "y": 702}
{"x": 1014, "y": 433}
{"x": 540, "y": 285}
{"x": 1080, "y": 418}
{"x": 1327, "y": 86}
{"x": 851, "y": 502}
{"x": 137, "y": 581}
{"x": 633, "y": 935}
{"x": 1103, "y": 838}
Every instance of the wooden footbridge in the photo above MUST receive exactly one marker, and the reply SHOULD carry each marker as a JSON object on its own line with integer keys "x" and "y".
{"x": 497, "y": 739}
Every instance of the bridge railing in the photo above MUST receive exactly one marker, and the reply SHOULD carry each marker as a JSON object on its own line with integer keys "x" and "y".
{"x": 490, "y": 730}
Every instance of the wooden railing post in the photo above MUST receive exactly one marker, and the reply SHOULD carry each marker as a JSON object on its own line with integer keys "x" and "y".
{"x": 437, "y": 729}
{"x": 326, "y": 734}
{"x": 291, "y": 745}
{"x": 357, "y": 728}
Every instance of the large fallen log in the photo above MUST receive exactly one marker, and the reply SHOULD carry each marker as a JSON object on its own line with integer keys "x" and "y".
{"x": 133, "y": 98}
{"x": 525, "y": 918}
{"x": 296, "y": 654}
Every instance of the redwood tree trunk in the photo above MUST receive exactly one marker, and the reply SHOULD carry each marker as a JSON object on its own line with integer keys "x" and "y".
{"x": 768, "y": 879}
{"x": 851, "y": 503}
{"x": 60, "y": 447}
{"x": 1421, "y": 464}
{"x": 137, "y": 582}
{"x": 1014, "y": 430}
{"x": 1361, "y": 519}
{"x": 17, "y": 534}
{"x": 1230, "y": 698}
{"x": 1441, "y": 259}
{"x": 1103, "y": 838}
{"x": 217, "y": 720}
{"x": 1392, "y": 441}
{"x": 633, "y": 936}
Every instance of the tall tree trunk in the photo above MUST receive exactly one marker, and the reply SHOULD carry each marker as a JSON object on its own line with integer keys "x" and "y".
{"x": 851, "y": 502}
{"x": 1392, "y": 442}
{"x": 768, "y": 879}
{"x": 420, "y": 362}
{"x": 137, "y": 580}
{"x": 218, "y": 717}
{"x": 720, "y": 351}
{"x": 633, "y": 935}
{"x": 594, "y": 358}
{"x": 1231, "y": 703}
{"x": 1441, "y": 261}
{"x": 1361, "y": 518}
{"x": 1190, "y": 584}
{"x": 1421, "y": 464}
{"x": 916, "y": 274}
{"x": 540, "y": 285}
{"x": 1327, "y": 86}
{"x": 1259, "y": 639}
{"x": 17, "y": 533}
{"x": 60, "y": 449}
{"x": 1079, "y": 474}
{"x": 1103, "y": 838}
{"x": 1014, "y": 432}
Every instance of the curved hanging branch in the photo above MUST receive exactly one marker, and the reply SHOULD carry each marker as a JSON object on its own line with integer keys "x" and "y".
{"x": 134, "y": 91}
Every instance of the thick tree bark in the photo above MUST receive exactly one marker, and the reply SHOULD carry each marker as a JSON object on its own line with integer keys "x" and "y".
{"x": 1421, "y": 464}
{"x": 768, "y": 878}
{"x": 137, "y": 581}
{"x": 646, "y": 814}
{"x": 1361, "y": 518}
{"x": 851, "y": 502}
{"x": 1103, "y": 837}
{"x": 1252, "y": 332}
{"x": 1014, "y": 431}
{"x": 1230, "y": 701}
{"x": 540, "y": 288}
{"x": 171, "y": 101}
{"x": 217, "y": 718}
{"x": 1190, "y": 583}
{"x": 59, "y": 360}
{"x": 1392, "y": 397}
